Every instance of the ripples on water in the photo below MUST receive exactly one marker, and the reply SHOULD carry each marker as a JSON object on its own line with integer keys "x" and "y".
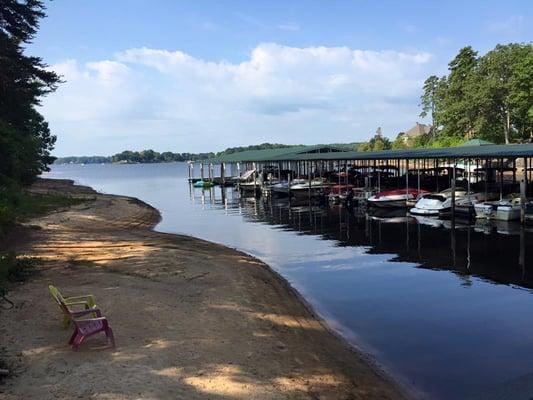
{"x": 448, "y": 310}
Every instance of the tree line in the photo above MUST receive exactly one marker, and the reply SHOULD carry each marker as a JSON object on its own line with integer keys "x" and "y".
{"x": 151, "y": 156}
{"x": 488, "y": 97}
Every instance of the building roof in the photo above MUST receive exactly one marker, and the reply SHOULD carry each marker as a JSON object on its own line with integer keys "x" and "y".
{"x": 418, "y": 130}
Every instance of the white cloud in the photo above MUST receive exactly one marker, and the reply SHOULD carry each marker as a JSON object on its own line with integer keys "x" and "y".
{"x": 509, "y": 26}
{"x": 171, "y": 100}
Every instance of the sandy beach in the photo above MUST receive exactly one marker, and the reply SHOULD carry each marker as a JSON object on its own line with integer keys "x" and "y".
{"x": 192, "y": 319}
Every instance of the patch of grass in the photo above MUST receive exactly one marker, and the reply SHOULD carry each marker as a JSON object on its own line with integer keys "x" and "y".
{"x": 14, "y": 268}
{"x": 34, "y": 205}
{"x": 17, "y": 205}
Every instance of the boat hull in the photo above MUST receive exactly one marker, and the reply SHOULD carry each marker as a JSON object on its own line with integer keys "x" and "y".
{"x": 400, "y": 203}
{"x": 427, "y": 211}
{"x": 507, "y": 213}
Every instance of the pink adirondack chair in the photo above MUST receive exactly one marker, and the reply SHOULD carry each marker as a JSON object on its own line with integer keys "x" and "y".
{"x": 86, "y": 327}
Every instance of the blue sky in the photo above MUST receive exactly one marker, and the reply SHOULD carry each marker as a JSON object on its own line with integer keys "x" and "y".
{"x": 204, "y": 75}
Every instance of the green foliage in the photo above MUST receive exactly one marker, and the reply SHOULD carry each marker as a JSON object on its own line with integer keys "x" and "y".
{"x": 83, "y": 160}
{"x": 25, "y": 138}
{"x": 377, "y": 143}
{"x": 150, "y": 156}
{"x": 401, "y": 142}
{"x": 15, "y": 269}
{"x": 262, "y": 146}
{"x": 487, "y": 97}
{"x": 16, "y": 205}
{"x": 438, "y": 141}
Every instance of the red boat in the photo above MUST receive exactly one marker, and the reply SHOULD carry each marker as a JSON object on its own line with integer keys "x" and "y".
{"x": 395, "y": 198}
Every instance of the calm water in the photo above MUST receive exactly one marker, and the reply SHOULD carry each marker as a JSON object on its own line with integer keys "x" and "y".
{"x": 446, "y": 311}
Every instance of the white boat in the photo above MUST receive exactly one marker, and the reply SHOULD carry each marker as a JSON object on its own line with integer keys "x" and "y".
{"x": 282, "y": 188}
{"x": 433, "y": 203}
{"x": 250, "y": 186}
{"x": 394, "y": 198}
{"x": 509, "y": 211}
{"x": 502, "y": 210}
{"x": 244, "y": 177}
{"x": 302, "y": 187}
{"x": 486, "y": 209}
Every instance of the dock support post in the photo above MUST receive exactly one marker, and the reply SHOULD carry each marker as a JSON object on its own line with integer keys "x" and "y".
{"x": 202, "y": 171}
{"x": 522, "y": 201}
{"x": 210, "y": 172}
{"x": 309, "y": 172}
{"x": 468, "y": 177}
{"x": 255, "y": 178}
{"x": 526, "y": 176}
{"x": 453, "y": 195}
{"x": 501, "y": 179}
{"x": 289, "y": 185}
{"x": 223, "y": 174}
{"x": 418, "y": 172}
{"x": 406, "y": 176}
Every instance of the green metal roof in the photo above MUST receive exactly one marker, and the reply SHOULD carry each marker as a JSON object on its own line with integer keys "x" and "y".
{"x": 270, "y": 154}
{"x": 319, "y": 153}
{"x": 487, "y": 151}
{"x": 477, "y": 142}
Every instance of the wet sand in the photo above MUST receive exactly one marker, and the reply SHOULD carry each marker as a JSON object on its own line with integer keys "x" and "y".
{"x": 192, "y": 319}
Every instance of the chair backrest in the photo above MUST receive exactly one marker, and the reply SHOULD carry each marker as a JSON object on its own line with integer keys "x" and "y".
{"x": 56, "y": 295}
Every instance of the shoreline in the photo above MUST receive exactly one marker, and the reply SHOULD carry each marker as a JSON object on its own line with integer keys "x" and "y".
{"x": 292, "y": 352}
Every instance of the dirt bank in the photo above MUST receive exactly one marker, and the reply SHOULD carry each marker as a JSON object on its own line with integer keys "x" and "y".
{"x": 192, "y": 319}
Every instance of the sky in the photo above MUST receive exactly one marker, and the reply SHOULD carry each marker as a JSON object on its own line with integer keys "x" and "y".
{"x": 201, "y": 76}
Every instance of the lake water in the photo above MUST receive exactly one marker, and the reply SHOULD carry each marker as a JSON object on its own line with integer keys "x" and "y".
{"x": 446, "y": 311}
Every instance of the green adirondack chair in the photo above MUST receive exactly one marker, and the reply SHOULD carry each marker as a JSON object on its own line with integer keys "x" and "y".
{"x": 87, "y": 301}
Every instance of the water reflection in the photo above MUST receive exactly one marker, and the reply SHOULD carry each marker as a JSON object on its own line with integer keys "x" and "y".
{"x": 493, "y": 250}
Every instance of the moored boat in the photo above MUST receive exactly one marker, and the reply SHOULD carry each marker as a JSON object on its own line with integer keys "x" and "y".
{"x": 203, "y": 184}
{"x": 509, "y": 211}
{"x": 502, "y": 210}
{"x": 395, "y": 198}
{"x": 434, "y": 203}
{"x": 303, "y": 188}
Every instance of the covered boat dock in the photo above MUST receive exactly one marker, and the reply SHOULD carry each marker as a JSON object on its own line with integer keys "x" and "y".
{"x": 476, "y": 157}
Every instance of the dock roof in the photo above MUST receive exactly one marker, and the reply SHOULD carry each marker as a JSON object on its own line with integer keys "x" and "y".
{"x": 325, "y": 153}
{"x": 272, "y": 154}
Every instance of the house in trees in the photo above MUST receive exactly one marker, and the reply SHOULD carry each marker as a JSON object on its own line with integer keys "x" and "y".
{"x": 416, "y": 131}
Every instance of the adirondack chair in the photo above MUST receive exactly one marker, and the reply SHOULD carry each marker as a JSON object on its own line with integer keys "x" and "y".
{"x": 87, "y": 301}
{"x": 85, "y": 327}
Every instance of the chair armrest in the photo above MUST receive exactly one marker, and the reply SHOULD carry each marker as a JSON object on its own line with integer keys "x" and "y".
{"x": 88, "y": 296}
{"x": 90, "y": 319}
{"x": 74, "y": 303}
{"x": 75, "y": 314}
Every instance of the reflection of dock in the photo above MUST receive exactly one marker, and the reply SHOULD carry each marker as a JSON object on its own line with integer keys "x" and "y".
{"x": 493, "y": 250}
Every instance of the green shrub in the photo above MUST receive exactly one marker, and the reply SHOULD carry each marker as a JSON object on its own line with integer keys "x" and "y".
{"x": 15, "y": 269}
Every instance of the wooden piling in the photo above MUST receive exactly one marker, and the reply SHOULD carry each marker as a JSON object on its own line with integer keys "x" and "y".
{"x": 453, "y": 194}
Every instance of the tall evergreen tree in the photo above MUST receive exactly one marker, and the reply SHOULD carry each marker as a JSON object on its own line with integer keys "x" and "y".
{"x": 25, "y": 137}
